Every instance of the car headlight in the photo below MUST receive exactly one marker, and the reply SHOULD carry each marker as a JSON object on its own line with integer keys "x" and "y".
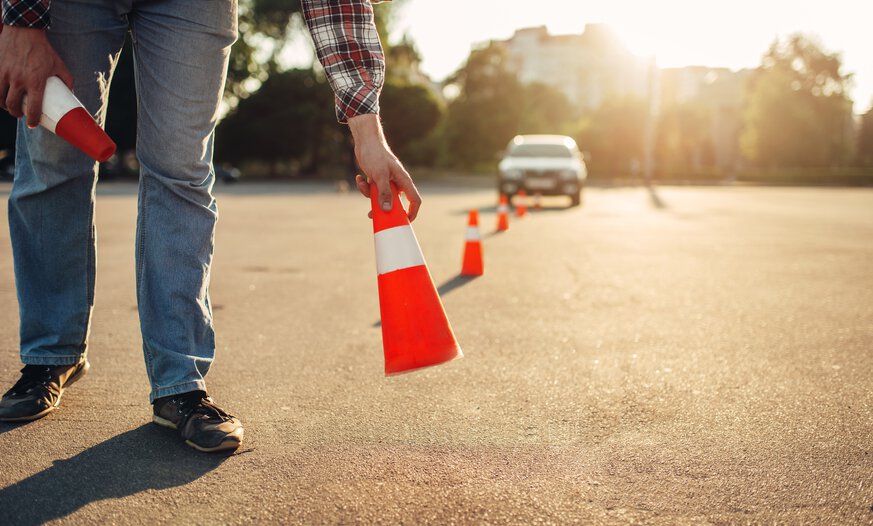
{"x": 514, "y": 175}
{"x": 569, "y": 175}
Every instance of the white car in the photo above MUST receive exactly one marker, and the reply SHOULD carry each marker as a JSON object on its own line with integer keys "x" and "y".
{"x": 543, "y": 164}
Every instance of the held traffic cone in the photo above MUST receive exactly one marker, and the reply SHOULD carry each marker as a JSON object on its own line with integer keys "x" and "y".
{"x": 503, "y": 214}
{"x": 473, "y": 248}
{"x": 521, "y": 204}
{"x": 64, "y": 115}
{"x": 415, "y": 330}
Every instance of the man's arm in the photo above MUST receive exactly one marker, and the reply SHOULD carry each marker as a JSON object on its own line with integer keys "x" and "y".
{"x": 26, "y": 58}
{"x": 348, "y": 47}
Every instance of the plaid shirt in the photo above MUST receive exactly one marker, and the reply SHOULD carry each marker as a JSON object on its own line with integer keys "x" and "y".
{"x": 345, "y": 39}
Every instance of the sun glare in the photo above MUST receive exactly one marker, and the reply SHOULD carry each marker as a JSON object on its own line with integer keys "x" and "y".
{"x": 676, "y": 32}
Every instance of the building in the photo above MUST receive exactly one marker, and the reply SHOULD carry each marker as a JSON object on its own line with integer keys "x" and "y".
{"x": 588, "y": 68}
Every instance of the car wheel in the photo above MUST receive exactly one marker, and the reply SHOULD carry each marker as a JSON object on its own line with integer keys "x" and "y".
{"x": 576, "y": 199}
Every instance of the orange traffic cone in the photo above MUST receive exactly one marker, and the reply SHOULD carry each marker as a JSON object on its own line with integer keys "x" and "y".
{"x": 503, "y": 214}
{"x": 473, "y": 248}
{"x": 521, "y": 204}
{"x": 415, "y": 330}
{"x": 64, "y": 115}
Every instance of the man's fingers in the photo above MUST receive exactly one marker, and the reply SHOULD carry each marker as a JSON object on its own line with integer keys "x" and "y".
{"x": 404, "y": 181}
{"x": 384, "y": 187}
{"x": 33, "y": 106}
{"x": 64, "y": 74}
{"x": 363, "y": 185}
{"x": 13, "y": 101}
{"x": 4, "y": 90}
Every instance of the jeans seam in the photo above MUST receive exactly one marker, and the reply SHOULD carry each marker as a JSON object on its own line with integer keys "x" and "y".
{"x": 147, "y": 352}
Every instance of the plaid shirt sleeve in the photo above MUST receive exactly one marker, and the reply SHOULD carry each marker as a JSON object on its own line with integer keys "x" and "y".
{"x": 348, "y": 47}
{"x": 27, "y": 13}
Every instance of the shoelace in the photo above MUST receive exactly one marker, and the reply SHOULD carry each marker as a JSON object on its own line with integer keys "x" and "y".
{"x": 198, "y": 403}
{"x": 33, "y": 376}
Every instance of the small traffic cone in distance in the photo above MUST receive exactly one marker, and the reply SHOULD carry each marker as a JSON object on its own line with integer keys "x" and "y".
{"x": 415, "y": 330}
{"x": 503, "y": 214}
{"x": 538, "y": 201}
{"x": 521, "y": 203}
{"x": 64, "y": 115}
{"x": 473, "y": 265}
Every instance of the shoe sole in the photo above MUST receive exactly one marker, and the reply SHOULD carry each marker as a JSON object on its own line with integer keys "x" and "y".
{"x": 226, "y": 445}
{"x": 70, "y": 381}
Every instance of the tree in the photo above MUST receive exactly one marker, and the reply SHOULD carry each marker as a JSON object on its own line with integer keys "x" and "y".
{"x": 410, "y": 112}
{"x": 683, "y": 137}
{"x": 493, "y": 106}
{"x": 865, "y": 139}
{"x": 484, "y": 116}
{"x": 798, "y": 111}
{"x": 266, "y": 27}
{"x": 614, "y": 134}
{"x": 289, "y": 117}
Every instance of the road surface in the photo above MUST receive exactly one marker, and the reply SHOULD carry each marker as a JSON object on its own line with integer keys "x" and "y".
{"x": 706, "y": 361}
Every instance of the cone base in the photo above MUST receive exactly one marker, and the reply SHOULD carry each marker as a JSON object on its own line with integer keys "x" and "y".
{"x": 415, "y": 330}
{"x": 401, "y": 372}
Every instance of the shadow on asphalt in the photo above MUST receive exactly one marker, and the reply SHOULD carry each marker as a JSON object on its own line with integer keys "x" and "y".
{"x": 657, "y": 202}
{"x": 454, "y": 283}
{"x": 6, "y": 427}
{"x": 145, "y": 458}
{"x": 445, "y": 288}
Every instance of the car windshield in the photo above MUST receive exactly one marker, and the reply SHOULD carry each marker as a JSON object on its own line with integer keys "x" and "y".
{"x": 540, "y": 150}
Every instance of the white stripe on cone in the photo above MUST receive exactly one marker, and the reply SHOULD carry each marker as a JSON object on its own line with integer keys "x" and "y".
{"x": 473, "y": 233}
{"x": 503, "y": 209}
{"x": 57, "y": 101}
{"x": 396, "y": 249}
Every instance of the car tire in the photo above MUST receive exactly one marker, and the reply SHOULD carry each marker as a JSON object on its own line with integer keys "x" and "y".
{"x": 576, "y": 199}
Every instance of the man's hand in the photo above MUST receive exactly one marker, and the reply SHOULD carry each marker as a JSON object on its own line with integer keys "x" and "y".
{"x": 380, "y": 165}
{"x": 27, "y": 59}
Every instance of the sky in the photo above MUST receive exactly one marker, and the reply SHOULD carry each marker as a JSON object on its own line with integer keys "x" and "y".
{"x": 677, "y": 32}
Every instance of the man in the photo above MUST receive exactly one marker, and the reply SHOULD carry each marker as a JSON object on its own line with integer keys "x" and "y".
{"x": 181, "y": 49}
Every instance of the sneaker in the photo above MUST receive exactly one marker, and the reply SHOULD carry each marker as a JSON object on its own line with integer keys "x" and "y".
{"x": 38, "y": 391}
{"x": 203, "y": 425}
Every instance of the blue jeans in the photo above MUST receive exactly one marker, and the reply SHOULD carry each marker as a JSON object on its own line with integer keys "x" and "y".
{"x": 181, "y": 50}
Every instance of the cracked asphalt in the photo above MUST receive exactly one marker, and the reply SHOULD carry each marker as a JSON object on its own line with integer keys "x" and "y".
{"x": 706, "y": 361}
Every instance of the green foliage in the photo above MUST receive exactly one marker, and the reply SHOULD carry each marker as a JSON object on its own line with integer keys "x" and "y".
{"x": 683, "y": 137}
{"x": 409, "y": 113}
{"x": 290, "y": 117}
{"x": 614, "y": 134}
{"x": 797, "y": 112}
{"x": 493, "y": 106}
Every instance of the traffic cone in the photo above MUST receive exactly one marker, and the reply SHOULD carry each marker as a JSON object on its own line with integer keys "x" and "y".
{"x": 521, "y": 204}
{"x": 473, "y": 248}
{"x": 538, "y": 201}
{"x": 64, "y": 115}
{"x": 503, "y": 214}
{"x": 415, "y": 330}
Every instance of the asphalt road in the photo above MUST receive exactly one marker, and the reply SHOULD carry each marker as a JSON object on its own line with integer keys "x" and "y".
{"x": 709, "y": 361}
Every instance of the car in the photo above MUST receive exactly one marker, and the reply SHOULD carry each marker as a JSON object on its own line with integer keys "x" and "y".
{"x": 543, "y": 164}
{"x": 226, "y": 173}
